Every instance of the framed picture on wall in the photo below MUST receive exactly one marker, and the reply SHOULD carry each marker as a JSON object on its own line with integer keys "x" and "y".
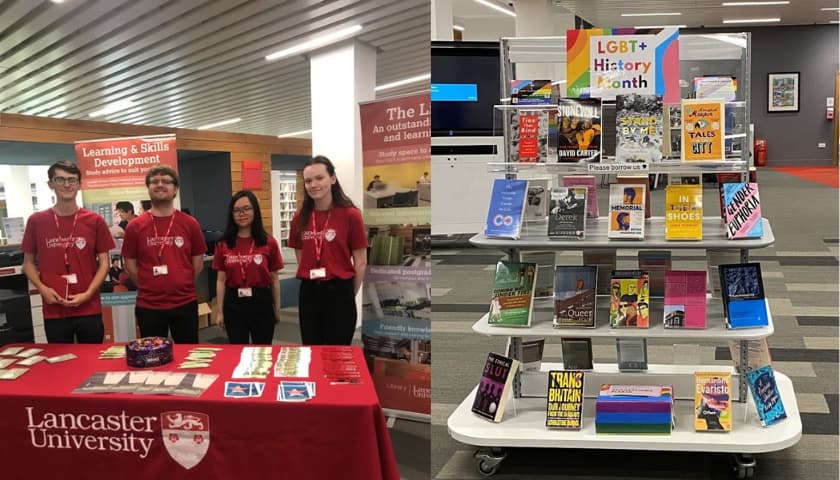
{"x": 783, "y": 92}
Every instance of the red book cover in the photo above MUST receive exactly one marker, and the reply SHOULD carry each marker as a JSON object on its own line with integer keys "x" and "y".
{"x": 529, "y": 129}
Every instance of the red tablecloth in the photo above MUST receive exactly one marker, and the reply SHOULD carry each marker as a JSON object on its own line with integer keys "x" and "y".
{"x": 341, "y": 433}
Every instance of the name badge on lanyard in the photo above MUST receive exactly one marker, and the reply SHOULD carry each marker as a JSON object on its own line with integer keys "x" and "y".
{"x": 245, "y": 292}
{"x": 319, "y": 272}
{"x": 71, "y": 278}
{"x": 316, "y": 273}
{"x": 161, "y": 268}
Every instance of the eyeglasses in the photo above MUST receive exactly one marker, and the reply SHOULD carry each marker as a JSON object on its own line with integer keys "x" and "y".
{"x": 161, "y": 181}
{"x": 70, "y": 181}
{"x": 243, "y": 210}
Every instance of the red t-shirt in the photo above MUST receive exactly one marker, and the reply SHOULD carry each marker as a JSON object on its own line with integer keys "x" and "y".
{"x": 82, "y": 244}
{"x": 344, "y": 232}
{"x": 177, "y": 247}
{"x": 258, "y": 262}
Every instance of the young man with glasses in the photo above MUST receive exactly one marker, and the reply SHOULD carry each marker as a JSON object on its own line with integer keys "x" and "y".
{"x": 71, "y": 247}
{"x": 163, "y": 251}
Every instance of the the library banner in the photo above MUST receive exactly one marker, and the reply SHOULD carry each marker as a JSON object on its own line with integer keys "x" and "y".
{"x": 114, "y": 183}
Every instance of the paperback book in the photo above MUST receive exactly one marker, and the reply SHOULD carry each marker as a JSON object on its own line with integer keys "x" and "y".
{"x": 507, "y": 201}
{"x": 685, "y": 299}
{"x": 638, "y": 180}
{"x": 529, "y": 136}
{"x": 765, "y": 394}
{"x": 567, "y": 213}
{"x": 577, "y": 353}
{"x": 742, "y": 290}
{"x": 513, "y": 294}
{"x": 564, "y": 407}
{"x": 684, "y": 212}
{"x": 743, "y": 210}
{"x": 536, "y": 207}
{"x": 731, "y": 177}
{"x": 638, "y": 128}
{"x": 579, "y": 130}
{"x": 587, "y": 181}
{"x": 712, "y": 402}
{"x": 703, "y": 130}
{"x": 574, "y": 296}
{"x": 631, "y": 354}
{"x": 495, "y": 387}
{"x": 629, "y": 299}
{"x": 627, "y": 211}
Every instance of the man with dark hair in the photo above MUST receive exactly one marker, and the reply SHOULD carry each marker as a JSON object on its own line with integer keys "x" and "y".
{"x": 145, "y": 206}
{"x": 126, "y": 212}
{"x": 163, "y": 253}
{"x": 71, "y": 246}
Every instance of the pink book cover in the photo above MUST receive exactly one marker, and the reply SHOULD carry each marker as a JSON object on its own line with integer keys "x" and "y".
{"x": 685, "y": 299}
{"x": 587, "y": 181}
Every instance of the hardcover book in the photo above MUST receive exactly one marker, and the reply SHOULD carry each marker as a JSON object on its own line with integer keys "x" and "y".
{"x": 507, "y": 201}
{"x": 638, "y": 180}
{"x": 530, "y": 92}
{"x": 567, "y": 213}
{"x": 545, "y": 262}
{"x": 536, "y": 207}
{"x": 513, "y": 294}
{"x": 685, "y": 299}
{"x": 579, "y": 130}
{"x": 703, "y": 130}
{"x": 587, "y": 181}
{"x": 631, "y": 354}
{"x": 742, "y": 290}
{"x": 712, "y": 402}
{"x": 629, "y": 299}
{"x": 574, "y": 296}
{"x": 684, "y": 212}
{"x": 495, "y": 387}
{"x": 743, "y": 210}
{"x": 627, "y": 211}
{"x": 765, "y": 393}
{"x": 564, "y": 407}
{"x": 638, "y": 128}
{"x": 577, "y": 353}
{"x": 529, "y": 136}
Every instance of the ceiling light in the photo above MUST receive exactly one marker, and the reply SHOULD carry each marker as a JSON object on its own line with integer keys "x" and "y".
{"x": 316, "y": 42}
{"x": 830, "y": 8}
{"x": 219, "y": 124}
{"x": 754, "y": 20}
{"x": 649, "y": 14}
{"x": 405, "y": 81}
{"x": 458, "y": 27}
{"x": 650, "y": 27}
{"x": 113, "y": 107}
{"x": 495, "y": 6}
{"x": 294, "y": 134}
{"x": 752, "y": 4}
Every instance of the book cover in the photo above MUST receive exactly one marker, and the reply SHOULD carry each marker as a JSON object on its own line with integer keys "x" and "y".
{"x": 574, "y": 296}
{"x": 627, "y": 211}
{"x": 638, "y": 128}
{"x": 638, "y": 180}
{"x": 703, "y": 130}
{"x": 536, "y": 207}
{"x": 656, "y": 263}
{"x": 765, "y": 393}
{"x": 685, "y": 299}
{"x": 712, "y": 402}
{"x": 545, "y": 262}
{"x": 587, "y": 181}
{"x": 530, "y": 92}
{"x": 684, "y": 212}
{"x": 495, "y": 387}
{"x": 757, "y": 353}
{"x": 507, "y": 201}
{"x": 742, "y": 207}
{"x": 605, "y": 260}
{"x": 529, "y": 136}
{"x": 579, "y": 130}
{"x": 513, "y": 294}
{"x": 731, "y": 177}
{"x": 564, "y": 407}
{"x": 742, "y": 290}
{"x": 567, "y": 213}
{"x": 631, "y": 354}
{"x": 629, "y": 299}
{"x": 577, "y": 353}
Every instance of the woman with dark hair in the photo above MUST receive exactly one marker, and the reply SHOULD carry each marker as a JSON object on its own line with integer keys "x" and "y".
{"x": 247, "y": 260}
{"x": 330, "y": 242}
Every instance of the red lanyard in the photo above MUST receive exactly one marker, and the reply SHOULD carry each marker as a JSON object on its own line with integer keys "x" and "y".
{"x": 319, "y": 240}
{"x": 66, "y": 239}
{"x": 243, "y": 265}
{"x": 165, "y": 236}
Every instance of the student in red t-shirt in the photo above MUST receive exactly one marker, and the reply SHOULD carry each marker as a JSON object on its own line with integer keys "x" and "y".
{"x": 163, "y": 250}
{"x": 68, "y": 241}
{"x": 330, "y": 242}
{"x": 247, "y": 260}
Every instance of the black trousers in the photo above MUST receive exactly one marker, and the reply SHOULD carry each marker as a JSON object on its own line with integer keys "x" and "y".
{"x": 181, "y": 321}
{"x": 85, "y": 329}
{"x": 327, "y": 312}
{"x": 249, "y": 316}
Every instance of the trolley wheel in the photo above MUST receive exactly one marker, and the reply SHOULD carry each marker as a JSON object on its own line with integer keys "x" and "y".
{"x": 488, "y": 462}
{"x": 486, "y": 469}
{"x": 743, "y": 465}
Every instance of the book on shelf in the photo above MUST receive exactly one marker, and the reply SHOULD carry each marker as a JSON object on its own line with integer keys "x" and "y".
{"x": 629, "y": 299}
{"x": 577, "y": 353}
{"x": 495, "y": 387}
{"x": 507, "y": 202}
{"x": 714, "y": 258}
{"x": 742, "y": 207}
{"x": 574, "y": 296}
{"x": 684, "y": 212}
{"x": 765, "y": 394}
{"x": 731, "y": 177}
{"x": 567, "y": 213}
{"x": 579, "y": 130}
{"x": 564, "y": 404}
{"x": 712, "y": 401}
{"x": 656, "y": 263}
{"x": 605, "y": 260}
{"x": 627, "y": 211}
{"x": 638, "y": 179}
{"x": 631, "y": 354}
{"x": 638, "y": 120}
{"x": 530, "y": 92}
{"x": 545, "y": 262}
{"x": 532, "y": 353}
{"x": 742, "y": 291}
{"x": 685, "y": 299}
{"x": 634, "y": 409}
{"x": 587, "y": 181}
{"x": 703, "y": 130}
{"x": 512, "y": 299}
{"x": 536, "y": 207}
{"x": 758, "y": 353}
{"x": 529, "y": 136}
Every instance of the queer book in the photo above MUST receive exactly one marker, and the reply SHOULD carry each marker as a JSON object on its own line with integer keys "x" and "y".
{"x": 507, "y": 201}
{"x": 529, "y": 136}
{"x": 564, "y": 407}
{"x": 574, "y": 296}
{"x": 577, "y": 353}
{"x": 530, "y": 92}
{"x": 627, "y": 211}
{"x": 765, "y": 393}
{"x": 684, "y": 212}
{"x": 685, "y": 299}
{"x": 567, "y": 213}
{"x": 579, "y": 130}
{"x": 495, "y": 387}
{"x": 703, "y": 130}
{"x": 712, "y": 402}
{"x": 513, "y": 294}
{"x": 742, "y": 290}
{"x": 629, "y": 299}
{"x": 638, "y": 125}
{"x": 638, "y": 180}
{"x": 743, "y": 210}
{"x": 536, "y": 206}
{"x": 587, "y": 181}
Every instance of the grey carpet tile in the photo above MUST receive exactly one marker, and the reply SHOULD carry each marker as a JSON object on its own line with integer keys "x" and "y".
{"x": 813, "y": 299}
{"x": 789, "y": 354}
{"x": 818, "y": 321}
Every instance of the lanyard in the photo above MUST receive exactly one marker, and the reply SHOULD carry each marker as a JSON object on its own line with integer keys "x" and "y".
{"x": 319, "y": 240}
{"x": 244, "y": 265}
{"x": 66, "y": 239}
{"x": 165, "y": 236}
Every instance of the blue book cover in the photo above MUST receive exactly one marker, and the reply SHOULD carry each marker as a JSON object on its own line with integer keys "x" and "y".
{"x": 504, "y": 217}
{"x": 765, "y": 393}
{"x": 743, "y": 295}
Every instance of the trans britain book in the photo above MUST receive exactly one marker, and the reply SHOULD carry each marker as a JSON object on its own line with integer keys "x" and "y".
{"x": 743, "y": 210}
{"x": 495, "y": 387}
{"x": 564, "y": 407}
{"x": 567, "y": 213}
{"x": 712, "y": 402}
{"x": 684, "y": 212}
{"x": 638, "y": 121}
{"x": 507, "y": 202}
{"x": 742, "y": 290}
{"x": 579, "y": 130}
{"x": 765, "y": 393}
{"x": 574, "y": 296}
{"x": 513, "y": 294}
{"x": 627, "y": 211}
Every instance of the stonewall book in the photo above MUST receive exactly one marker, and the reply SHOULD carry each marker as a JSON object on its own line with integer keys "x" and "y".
{"x": 712, "y": 402}
{"x": 574, "y": 296}
{"x": 742, "y": 290}
{"x": 638, "y": 128}
{"x": 513, "y": 294}
{"x": 495, "y": 387}
{"x": 743, "y": 210}
{"x": 627, "y": 211}
{"x": 567, "y": 213}
{"x": 579, "y": 130}
{"x": 629, "y": 299}
{"x": 507, "y": 202}
{"x": 587, "y": 181}
{"x": 703, "y": 130}
{"x": 765, "y": 393}
{"x": 564, "y": 408}
{"x": 684, "y": 212}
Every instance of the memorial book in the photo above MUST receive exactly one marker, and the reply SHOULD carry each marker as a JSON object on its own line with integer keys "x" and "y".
{"x": 629, "y": 299}
{"x": 638, "y": 180}
{"x": 512, "y": 300}
{"x": 684, "y": 212}
{"x": 577, "y": 353}
{"x": 545, "y": 262}
{"x": 765, "y": 394}
{"x": 742, "y": 291}
{"x": 742, "y": 207}
{"x": 712, "y": 401}
{"x": 567, "y": 213}
{"x": 685, "y": 299}
{"x": 507, "y": 202}
{"x": 631, "y": 354}
{"x": 574, "y": 296}
{"x": 627, "y": 211}
{"x": 536, "y": 206}
{"x": 564, "y": 407}
{"x": 495, "y": 387}
{"x": 638, "y": 125}
{"x": 587, "y": 181}
{"x": 579, "y": 130}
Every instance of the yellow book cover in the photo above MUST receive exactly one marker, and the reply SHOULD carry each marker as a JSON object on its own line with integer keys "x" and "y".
{"x": 684, "y": 212}
{"x": 712, "y": 401}
{"x": 703, "y": 129}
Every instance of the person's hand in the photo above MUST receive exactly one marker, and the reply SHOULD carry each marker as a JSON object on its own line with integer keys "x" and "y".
{"x": 276, "y": 315}
{"x": 77, "y": 299}
{"x": 50, "y": 296}
{"x": 220, "y": 321}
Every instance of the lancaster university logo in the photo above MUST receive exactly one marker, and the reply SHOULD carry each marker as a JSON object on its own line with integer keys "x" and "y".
{"x": 186, "y": 436}
{"x": 80, "y": 243}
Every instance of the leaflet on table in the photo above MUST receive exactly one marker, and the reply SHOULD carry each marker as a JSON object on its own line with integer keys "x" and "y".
{"x": 199, "y": 357}
{"x": 254, "y": 362}
{"x": 244, "y": 389}
{"x": 148, "y": 382}
{"x": 339, "y": 366}
{"x": 295, "y": 391}
{"x": 293, "y": 362}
